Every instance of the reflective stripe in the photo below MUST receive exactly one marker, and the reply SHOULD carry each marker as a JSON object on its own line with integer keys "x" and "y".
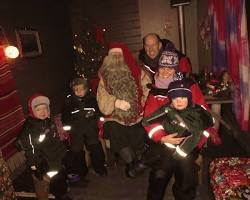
{"x": 52, "y": 173}
{"x": 89, "y": 109}
{"x": 182, "y": 124}
{"x": 172, "y": 146}
{"x": 33, "y": 150}
{"x": 148, "y": 68}
{"x": 67, "y": 127}
{"x": 180, "y": 152}
{"x": 76, "y": 111}
{"x": 181, "y": 88}
{"x": 206, "y": 133}
{"x": 154, "y": 130}
{"x": 203, "y": 107}
{"x": 41, "y": 137}
{"x": 161, "y": 96}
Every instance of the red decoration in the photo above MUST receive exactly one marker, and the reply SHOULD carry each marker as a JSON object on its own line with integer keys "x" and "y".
{"x": 99, "y": 35}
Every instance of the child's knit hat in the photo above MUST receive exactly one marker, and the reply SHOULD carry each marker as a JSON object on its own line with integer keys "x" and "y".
{"x": 180, "y": 88}
{"x": 169, "y": 59}
{"x": 36, "y": 100}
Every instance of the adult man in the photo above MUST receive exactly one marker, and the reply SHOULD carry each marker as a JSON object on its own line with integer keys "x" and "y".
{"x": 121, "y": 97}
{"x": 153, "y": 46}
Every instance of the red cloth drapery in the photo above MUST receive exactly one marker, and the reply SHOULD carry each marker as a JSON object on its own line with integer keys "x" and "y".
{"x": 11, "y": 112}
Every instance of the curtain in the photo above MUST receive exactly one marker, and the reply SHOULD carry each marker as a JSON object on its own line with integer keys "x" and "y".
{"x": 230, "y": 51}
{"x": 11, "y": 112}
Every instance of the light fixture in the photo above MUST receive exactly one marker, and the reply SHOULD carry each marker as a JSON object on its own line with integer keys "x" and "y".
{"x": 11, "y": 52}
{"x": 8, "y": 52}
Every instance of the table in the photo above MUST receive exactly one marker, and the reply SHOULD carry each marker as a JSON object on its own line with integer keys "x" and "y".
{"x": 215, "y": 103}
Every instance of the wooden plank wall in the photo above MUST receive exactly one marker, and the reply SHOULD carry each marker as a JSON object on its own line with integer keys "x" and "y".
{"x": 120, "y": 18}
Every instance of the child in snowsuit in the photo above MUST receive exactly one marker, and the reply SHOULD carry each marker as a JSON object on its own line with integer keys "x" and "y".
{"x": 43, "y": 150}
{"x": 189, "y": 123}
{"x": 81, "y": 113}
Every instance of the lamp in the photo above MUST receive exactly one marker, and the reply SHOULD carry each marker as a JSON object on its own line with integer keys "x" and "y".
{"x": 8, "y": 51}
{"x": 180, "y": 5}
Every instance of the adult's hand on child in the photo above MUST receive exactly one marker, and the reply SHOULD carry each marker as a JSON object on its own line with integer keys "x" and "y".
{"x": 122, "y": 104}
{"x": 172, "y": 139}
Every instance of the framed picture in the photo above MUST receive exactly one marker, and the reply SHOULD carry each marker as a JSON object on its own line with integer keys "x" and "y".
{"x": 28, "y": 43}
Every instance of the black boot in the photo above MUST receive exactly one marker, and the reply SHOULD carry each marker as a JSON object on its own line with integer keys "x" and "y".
{"x": 128, "y": 155}
{"x": 98, "y": 159}
{"x": 135, "y": 169}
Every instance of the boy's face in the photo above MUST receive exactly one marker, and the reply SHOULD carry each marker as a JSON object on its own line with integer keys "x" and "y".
{"x": 79, "y": 90}
{"x": 180, "y": 103}
{"x": 41, "y": 111}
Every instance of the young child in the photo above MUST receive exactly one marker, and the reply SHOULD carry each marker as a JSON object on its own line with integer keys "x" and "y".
{"x": 187, "y": 122}
{"x": 81, "y": 114}
{"x": 43, "y": 150}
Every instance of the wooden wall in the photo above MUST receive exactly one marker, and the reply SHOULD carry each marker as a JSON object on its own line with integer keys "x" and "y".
{"x": 48, "y": 73}
{"x": 120, "y": 18}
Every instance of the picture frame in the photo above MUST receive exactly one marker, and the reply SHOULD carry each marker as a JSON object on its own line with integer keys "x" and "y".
{"x": 28, "y": 42}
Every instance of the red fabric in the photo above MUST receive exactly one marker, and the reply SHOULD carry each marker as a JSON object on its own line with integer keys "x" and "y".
{"x": 94, "y": 84}
{"x": 11, "y": 112}
{"x": 151, "y": 105}
{"x": 198, "y": 97}
{"x": 62, "y": 134}
{"x": 184, "y": 65}
{"x": 99, "y": 35}
{"x": 214, "y": 136}
{"x": 133, "y": 66}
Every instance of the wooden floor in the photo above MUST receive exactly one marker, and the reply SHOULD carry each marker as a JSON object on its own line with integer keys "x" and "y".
{"x": 114, "y": 186}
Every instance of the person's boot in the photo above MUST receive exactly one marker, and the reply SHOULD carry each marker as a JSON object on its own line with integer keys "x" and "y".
{"x": 135, "y": 169}
{"x": 128, "y": 155}
{"x": 98, "y": 159}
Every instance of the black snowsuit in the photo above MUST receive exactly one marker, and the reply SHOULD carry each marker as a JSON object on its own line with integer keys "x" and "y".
{"x": 82, "y": 115}
{"x": 43, "y": 149}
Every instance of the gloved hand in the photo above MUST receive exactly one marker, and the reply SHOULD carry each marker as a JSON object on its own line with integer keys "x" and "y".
{"x": 215, "y": 138}
{"x": 36, "y": 172}
{"x": 122, "y": 104}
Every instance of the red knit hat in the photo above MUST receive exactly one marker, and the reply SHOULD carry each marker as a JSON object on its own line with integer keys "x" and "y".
{"x": 36, "y": 100}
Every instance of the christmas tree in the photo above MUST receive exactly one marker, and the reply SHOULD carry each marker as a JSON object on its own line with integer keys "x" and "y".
{"x": 90, "y": 49}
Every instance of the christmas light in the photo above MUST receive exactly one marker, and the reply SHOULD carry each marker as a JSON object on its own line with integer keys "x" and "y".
{"x": 10, "y": 52}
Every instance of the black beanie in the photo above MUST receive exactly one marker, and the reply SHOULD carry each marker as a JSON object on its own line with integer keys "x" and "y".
{"x": 180, "y": 88}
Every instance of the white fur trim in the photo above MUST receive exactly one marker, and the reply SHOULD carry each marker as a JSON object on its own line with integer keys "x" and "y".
{"x": 115, "y": 50}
